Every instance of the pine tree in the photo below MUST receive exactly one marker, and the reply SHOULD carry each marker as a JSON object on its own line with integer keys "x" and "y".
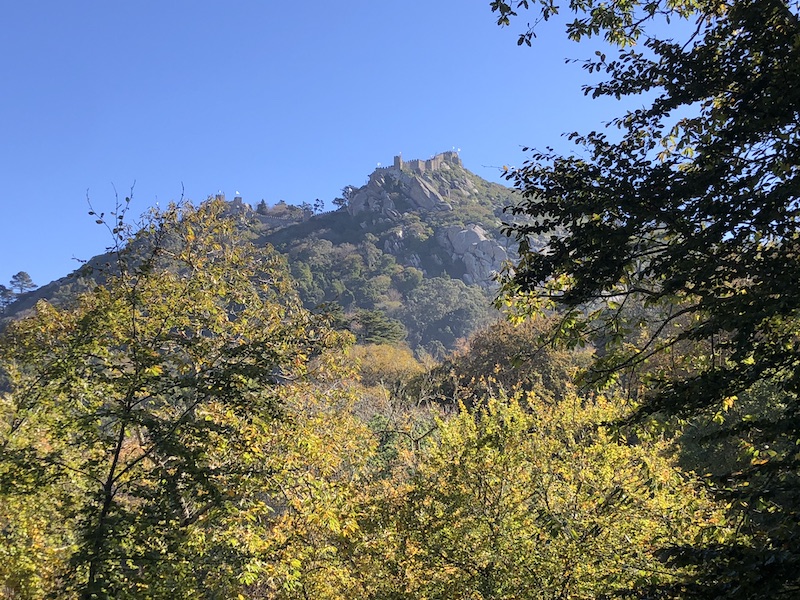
{"x": 22, "y": 282}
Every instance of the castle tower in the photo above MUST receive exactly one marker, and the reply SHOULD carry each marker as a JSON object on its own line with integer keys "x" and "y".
{"x": 452, "y": 157}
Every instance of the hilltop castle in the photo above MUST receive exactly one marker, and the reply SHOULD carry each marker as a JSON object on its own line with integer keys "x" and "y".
{"x": 432, "y": 164}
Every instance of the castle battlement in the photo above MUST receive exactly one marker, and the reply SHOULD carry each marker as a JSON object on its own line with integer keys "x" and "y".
{"x": 419, "y": 166}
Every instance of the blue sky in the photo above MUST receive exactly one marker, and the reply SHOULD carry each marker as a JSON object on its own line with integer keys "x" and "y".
{"x": 289, "y": 100}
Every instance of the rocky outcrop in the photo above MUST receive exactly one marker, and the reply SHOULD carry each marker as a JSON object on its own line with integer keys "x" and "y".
{"x": 422, "y": 194}
{"x": 373, "y": 197}
{"x": 376, "y": 196}
{"x": 482, "y": 257}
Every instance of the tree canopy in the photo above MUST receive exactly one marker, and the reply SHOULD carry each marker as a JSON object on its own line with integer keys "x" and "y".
{"x": 6, "y": 297}
{"x": 132, "y": 414}
{"x": 526, "y": 499}
{"x": 677, "y": 232}
{"x": 22, "y": 282}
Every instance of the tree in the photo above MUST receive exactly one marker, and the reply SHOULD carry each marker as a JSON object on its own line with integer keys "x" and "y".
{"x": 389, "y": 365}
{"x": 305, "y": 540}
{"x": 680, "y": 235}
{"x": 136, "y": 408}
{"x": 6, "y": 297}
{"x": 22, "y": 282}
{"x": 374, "y": 327}
{"x": 344, "y": 199}
{"x": 525, "y": 499}
{"x": 510, "y": 357}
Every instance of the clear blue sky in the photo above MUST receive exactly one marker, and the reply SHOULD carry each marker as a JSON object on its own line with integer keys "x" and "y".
{"x": 276, "y": 100}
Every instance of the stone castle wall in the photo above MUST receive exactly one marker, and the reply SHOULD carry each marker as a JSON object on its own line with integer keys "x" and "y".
{"x": 419, "y": 166}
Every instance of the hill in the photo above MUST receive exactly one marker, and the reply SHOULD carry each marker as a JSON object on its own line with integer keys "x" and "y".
{"x": 410, "y": 254}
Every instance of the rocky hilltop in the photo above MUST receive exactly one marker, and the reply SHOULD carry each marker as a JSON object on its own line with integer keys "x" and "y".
{"x": 463, "y": 208}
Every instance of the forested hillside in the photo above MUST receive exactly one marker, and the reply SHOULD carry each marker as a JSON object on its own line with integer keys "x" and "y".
{"x": 418, "y": 247}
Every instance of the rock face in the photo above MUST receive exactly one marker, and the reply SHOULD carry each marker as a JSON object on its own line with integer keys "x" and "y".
{"x": 482, "y": 257}
{"x": 375, "y": 196}
{"x": 423, "y": 195}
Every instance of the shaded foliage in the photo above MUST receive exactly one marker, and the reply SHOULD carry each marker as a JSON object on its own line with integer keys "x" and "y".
{"x": 440, "y": 311}
{"x": 681, "y": 233}
{"x": 511, "y": 357}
